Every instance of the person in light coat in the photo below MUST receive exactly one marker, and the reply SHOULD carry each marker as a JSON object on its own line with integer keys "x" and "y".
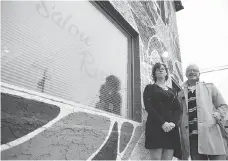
{"x": 202, "y": 106}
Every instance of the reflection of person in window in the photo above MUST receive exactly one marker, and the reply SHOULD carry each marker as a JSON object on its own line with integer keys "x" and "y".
{"x": 162, "y": 134}
{"x": 110, "y": 98}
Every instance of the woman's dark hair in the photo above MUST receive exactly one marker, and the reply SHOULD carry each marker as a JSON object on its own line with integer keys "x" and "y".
{"x": 158, "y": 66}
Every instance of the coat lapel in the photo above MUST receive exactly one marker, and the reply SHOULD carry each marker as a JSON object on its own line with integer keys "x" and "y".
{"x": 185, "y": 90}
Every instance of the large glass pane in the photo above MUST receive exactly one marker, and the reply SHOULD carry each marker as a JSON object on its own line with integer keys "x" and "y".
{"x": 65, "y": 49}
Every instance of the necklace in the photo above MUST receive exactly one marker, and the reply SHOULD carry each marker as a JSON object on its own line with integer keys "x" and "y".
{"x": 163, "y": 87}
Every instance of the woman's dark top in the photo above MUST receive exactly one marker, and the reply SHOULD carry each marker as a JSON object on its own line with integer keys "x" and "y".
{"x": 162, "y": 106}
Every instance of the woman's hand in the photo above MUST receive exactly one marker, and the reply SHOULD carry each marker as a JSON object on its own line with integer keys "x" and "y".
{"x": 168, "y": 126}
{"x": 172, "y": 124}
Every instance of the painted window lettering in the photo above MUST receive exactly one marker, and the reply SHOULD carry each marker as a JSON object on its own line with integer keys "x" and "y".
{"x": 62, "y": 21}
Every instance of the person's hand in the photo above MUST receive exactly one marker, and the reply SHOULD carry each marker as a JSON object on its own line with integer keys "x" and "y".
{"x": 167, "y": 126}
{"x": 216, "y": 117}
{"x": 172, "y": 124}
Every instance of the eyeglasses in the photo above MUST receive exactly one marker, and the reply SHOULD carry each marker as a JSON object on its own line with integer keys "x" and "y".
{"x": 161, "y": 69}
{"x": 193, "y": 70}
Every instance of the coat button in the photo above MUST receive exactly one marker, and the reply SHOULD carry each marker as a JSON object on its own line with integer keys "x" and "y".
{"x": 186, "y": 127}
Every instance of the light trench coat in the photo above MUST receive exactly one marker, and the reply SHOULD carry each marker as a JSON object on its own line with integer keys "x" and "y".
{"x": 208, "y": 101}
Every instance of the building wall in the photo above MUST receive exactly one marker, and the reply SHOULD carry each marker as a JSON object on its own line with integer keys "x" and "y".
{"x": 36, "y": 125}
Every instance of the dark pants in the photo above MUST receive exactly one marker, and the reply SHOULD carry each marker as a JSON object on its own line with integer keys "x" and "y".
{"x": 195, "y": 154}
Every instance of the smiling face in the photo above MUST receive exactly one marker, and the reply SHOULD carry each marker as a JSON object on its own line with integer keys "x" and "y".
{"x": 159, "y": 71}
{"x": 192, "y": 72}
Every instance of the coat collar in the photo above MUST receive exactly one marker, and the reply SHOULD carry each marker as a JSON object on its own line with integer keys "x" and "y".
{"x": 185, "y": 87}
{"x": 185, "y": 84}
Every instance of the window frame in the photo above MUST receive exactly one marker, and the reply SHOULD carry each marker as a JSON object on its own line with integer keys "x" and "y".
{"x": 134, "y": 81}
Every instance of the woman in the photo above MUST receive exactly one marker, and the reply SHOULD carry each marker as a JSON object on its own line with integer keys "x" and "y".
{"x": 161, "y": 104}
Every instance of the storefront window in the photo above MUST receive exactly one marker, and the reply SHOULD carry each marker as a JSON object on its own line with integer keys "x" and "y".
{"x": 72, "y": 50}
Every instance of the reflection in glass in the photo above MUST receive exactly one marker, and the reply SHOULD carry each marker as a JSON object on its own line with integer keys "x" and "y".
{"x": 110, "y": 98}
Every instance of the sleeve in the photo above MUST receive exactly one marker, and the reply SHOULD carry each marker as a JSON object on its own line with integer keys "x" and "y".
{"x": 149, "y": 106}
{"x": 219, "y": 102}
{"x": 176, "y": 111}
{"x": 179, "y": 99}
